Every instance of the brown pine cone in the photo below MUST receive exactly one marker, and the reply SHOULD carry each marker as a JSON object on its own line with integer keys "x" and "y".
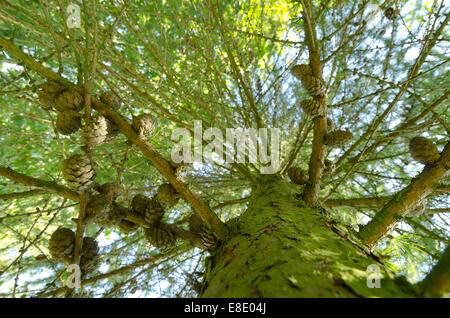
{"x": 78, "y": 172}
{"x": 313, "y": 85}
{"x": 389, "y": 13}
{"x": 110, "y": 99}
{"x": 68, "y": 122}
{"x": 160, "y": 236}
{"x": 312, "y": 107}
{"x": 208, "y": 238}
{"x": 167, "y": 195}
{"x": 139, "y": 203}
{"x": 143, "y": 124}
{"x": 117, "y": 213}
{"x": 328, "y": 167}
{"x": 108, "y": 188}
{"x": 97, "y": 209}
{"x": 338, "y": 138}
{"x": 48, "y": 92}
{"x": 61, "y": 244}
{"x": 297, "y": 175}
{"x": 95, "y": 134}
{"x": 423, "y": 150}
{"x": 89, "y": 255}
{"x": 301, "y": 70}
{"x": 69, "y": 100}
{"x": 195, "y": 223}
{"x": 154, "y": 212}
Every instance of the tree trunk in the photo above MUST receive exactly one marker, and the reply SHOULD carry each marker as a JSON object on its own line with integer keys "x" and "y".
{"x": 281, "y": 248}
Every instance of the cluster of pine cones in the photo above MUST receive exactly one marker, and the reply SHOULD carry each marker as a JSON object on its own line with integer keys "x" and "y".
{"x": 315, "y": 87}
{"x": 316, "y": 107}
{"x": 68, "y": 104}
{"x": 62, "y": 245}
{"x": 152, "y": 209}
{"x": 197, "y": 226}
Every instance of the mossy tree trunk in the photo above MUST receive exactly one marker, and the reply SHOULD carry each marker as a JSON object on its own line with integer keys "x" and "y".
{"x": 281, "y": 248}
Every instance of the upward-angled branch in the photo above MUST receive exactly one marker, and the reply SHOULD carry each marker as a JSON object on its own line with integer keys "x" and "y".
{"x": 316, "y": 161}
{"x": 405, "y": 200}
{"x": 154, "y": 157}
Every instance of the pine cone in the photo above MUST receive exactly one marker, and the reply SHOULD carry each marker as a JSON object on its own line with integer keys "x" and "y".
{"x": 108, "y": 188}
{"x": 328, "y": 167}
{"x": 128, "y": 227}
{"x": 69, "y": 100}
{"x": 90, "y": 258}
{"x": 154, "y": 212}
{"x": 139, "y": 204}
{"x": 143, "y": 124}
{"x": 78, "y": 172}
{"x": 167, "y": 195}
{"x": 208, "y": 238}
{"x": 48, "y": 92}
{"x": 330, "y": 125}
{"x": 423, "y": 150}
{"x": 312, "y": 107}
{"x": 313, "y": 85}
{"x": 160, "y": 236}
{"x": 68, "y": 122}
{"x": 95, "y": 134}
{"x": 117, "y": 213}
{"x": 301, "y": 70}
{"x": 259, "y": 86}
{"x": 389, "y": 13}
{"x": 110, "y": 99}
{"x": 338, "y": 138}
{"x": 195, "y": 223}
{"x": 297, "y": 175}
{"x": 97, "y": 209}
{"x": 419, "y": 209}
{"x": 61, "y": 244}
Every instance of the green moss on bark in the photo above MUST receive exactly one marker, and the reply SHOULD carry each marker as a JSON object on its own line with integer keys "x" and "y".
{"x": 282, "y": 248}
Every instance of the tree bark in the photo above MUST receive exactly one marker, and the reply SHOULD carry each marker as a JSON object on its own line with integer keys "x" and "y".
{"x": 282, "y": 248}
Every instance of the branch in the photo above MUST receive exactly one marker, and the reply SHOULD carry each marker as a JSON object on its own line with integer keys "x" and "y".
{"x": 42, "y": 184}
{"x": 357, "y": 202}
{"x": 80, "y": 229}
{"x": 401, "y": 203}
{"x": 209, "y": 217}
{"x": 437, "y": 281}
{"x": 183, "y": 235}
{"x": 317, "y": 158}
{"x": 19, "y": 195}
